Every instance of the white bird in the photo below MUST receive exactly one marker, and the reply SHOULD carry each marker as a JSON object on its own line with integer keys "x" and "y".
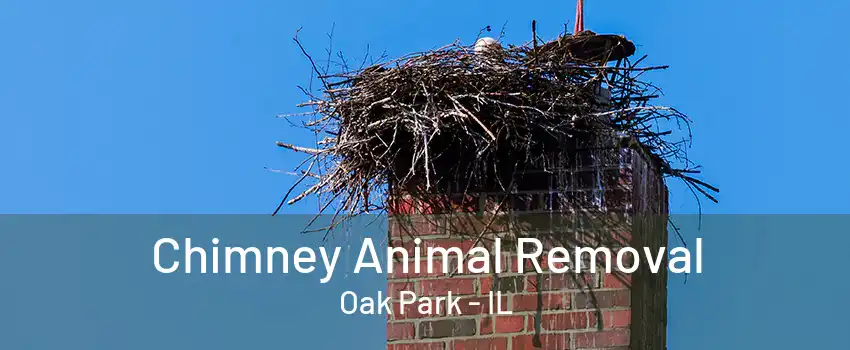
{"x": 485, "y": 44}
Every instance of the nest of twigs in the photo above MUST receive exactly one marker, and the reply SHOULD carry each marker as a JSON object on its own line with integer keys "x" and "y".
{"x": 451, "y": 120}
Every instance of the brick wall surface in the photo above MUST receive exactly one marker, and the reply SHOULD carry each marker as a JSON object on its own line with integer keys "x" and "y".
{"x": 550, "y": 311}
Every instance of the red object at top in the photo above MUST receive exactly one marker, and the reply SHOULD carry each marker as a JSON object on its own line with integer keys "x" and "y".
{"x": 579, "y": 17}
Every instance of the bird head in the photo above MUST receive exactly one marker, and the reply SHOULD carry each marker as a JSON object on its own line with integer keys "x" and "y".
{"x": 485, "y": 44}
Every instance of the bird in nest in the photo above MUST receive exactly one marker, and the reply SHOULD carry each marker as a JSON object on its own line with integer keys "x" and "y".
{"x": 486, "y": 44}
{"x": 488, "y": 51}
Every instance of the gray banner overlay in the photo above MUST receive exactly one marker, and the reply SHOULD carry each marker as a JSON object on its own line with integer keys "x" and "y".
{"x": 89, "y": 282}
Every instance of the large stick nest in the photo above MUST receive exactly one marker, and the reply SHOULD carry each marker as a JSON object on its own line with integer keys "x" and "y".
{"x": 451, "y": 120}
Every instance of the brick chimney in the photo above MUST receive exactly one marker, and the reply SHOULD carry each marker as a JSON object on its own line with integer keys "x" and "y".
{"x": 563, "y": 311}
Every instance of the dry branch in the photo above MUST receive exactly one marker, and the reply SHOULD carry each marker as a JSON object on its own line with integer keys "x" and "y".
{"x": 461, "y": 122}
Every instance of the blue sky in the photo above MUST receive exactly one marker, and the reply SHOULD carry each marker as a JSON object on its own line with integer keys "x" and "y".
{"x": 169, "y": 106}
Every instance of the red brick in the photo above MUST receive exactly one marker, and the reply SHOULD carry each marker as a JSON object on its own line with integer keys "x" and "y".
{"x": 486, "y": 283}
{"x": 449, "y": 204}
{"x": 622, "y": 238}
{"x": 396, "y": 231}
{"x": 547, "y": 341}
{"x": 500, "y": 343}
{"x": 401, "y": 227}
{"x": 439, "y": 204}
{"x": 486, "y": 326}
{"x": 509, "y": 324}
{"x": 616, "y": 318}
{"x": 507, "y": 284}
{"x": 617, "y": 280}
{"x": 417, "y": 346}
{"x": 548, "y": 283}
{"x": 602, "y": 339}
{"x": 440, "y": 287}
{"x": 602, "y": 299}
{"x": 400, "y": 331}
{"x": 527, "y": 266}
{"x": 401, "y": 207}
{"x": 393, "y": 288}
{"x": 550, "y": 301}
{"x": 447, "y": 328}
{"x": 563, "y": 321}
{"x": 502, "y": 324}
{"x": 407, "y": 227}
{"x": 570, "y": 316}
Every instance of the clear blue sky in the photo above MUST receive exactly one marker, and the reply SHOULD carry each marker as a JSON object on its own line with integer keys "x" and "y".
{"x": 169, "y": 106}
